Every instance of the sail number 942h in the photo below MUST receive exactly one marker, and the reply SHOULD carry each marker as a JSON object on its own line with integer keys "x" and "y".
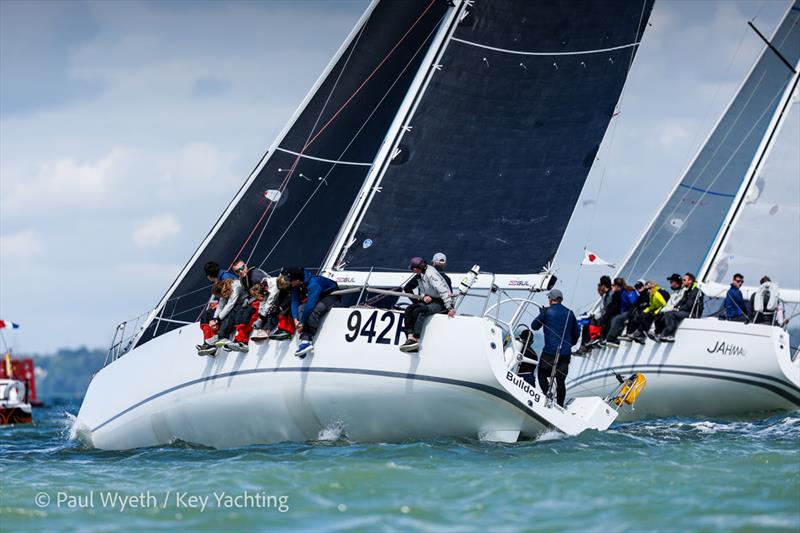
{"x": 379, "y": 326}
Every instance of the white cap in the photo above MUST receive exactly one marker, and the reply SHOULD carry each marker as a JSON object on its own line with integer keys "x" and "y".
{"x": 439, "y": 257}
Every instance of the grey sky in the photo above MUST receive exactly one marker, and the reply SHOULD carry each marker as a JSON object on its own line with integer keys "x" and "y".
{"x": 126, "y": 127}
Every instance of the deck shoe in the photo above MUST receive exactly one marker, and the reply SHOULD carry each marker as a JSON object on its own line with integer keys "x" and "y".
{"x": 639, "y": 339}
{"x": 238, "y": 347}
{"x": 411, "y": 345}
{"x": 259, "y": 335}
{"x": 652, "y": 336}
{"x": 206, "y": 349}
{"x": 222, "y": 343}
{"x": 626, "y": 338}
{"x": 612, "y": 344}
{"x": 305, "y": 348}
{"x": 280, "y": 335}
{"x": 667, "y": 338}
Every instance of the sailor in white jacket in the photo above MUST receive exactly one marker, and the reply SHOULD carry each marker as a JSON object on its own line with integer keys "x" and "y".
{"x": 436, "y": 297}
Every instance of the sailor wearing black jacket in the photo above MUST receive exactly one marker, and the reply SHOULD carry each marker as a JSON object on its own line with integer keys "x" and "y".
{"x": 690, "y": 305}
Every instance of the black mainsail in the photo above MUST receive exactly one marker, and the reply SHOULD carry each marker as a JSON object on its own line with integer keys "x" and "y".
{"x": 293, "y": 204}
{"x": 492, "y": 157}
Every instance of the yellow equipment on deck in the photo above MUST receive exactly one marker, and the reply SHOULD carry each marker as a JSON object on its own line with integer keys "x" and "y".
{"x": 630, "y": 389}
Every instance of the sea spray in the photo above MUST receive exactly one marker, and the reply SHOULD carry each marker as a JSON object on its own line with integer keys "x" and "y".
{"x": 77, "y": 431}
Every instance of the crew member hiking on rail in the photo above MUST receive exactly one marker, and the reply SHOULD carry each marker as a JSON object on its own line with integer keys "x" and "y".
{"x": 561, "y": 331}
{"x": 439, "y": 262}
{"x": 436, "y": 298}
{"x": 649, "y": 313}
{"x": 208, "y": 325}
{"x": 265, "y": 290}
{"x": 319, "y": 300}
{"x": 275, "y": 315}
{"x": 214, "y": 273}
{"x": 627, "y": 302}
{"x": 690, "y": 305}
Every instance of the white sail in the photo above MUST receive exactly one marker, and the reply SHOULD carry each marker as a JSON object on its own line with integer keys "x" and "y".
{"x": 764, "y": 238}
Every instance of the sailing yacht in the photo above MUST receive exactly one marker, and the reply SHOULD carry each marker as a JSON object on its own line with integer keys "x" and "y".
{"x": 736, "y": 209}
{"x": 427, "y": 105}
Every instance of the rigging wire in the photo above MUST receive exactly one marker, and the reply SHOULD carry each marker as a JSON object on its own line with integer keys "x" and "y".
{"x": 328, "y": 123}
{"x": 311, "y": 132}
{"x": 697, "y": 204}
{"x": 352, "y": 140}
{"x": 646, "y": 242}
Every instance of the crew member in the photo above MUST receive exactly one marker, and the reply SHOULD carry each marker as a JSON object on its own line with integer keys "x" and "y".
{"x": 317, "y": 290}
{"x": 436, "y": 298}
{"x": 735, "y": 306}
{"x": 561, "y": 332}
{"x": 690, "y": 305}
{"x": 439, "y": 262}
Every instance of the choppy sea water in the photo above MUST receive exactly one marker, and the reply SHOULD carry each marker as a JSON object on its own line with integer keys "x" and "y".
{"x": 670, "y": 474}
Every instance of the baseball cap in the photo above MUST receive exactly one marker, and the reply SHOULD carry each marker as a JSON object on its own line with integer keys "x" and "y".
{"x": 439, "y": 257}
{"x": 555, "y": 294}
{"x": 675, "y": 277}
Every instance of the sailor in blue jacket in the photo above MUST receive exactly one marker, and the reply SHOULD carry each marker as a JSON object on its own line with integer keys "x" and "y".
{"x": 319, "y": 300}
{"x": 735, "y": 306}
{"x": 561, "y": 332}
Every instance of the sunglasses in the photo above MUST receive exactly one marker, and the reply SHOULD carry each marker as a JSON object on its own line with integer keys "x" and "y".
{"x": 240, "y": 269}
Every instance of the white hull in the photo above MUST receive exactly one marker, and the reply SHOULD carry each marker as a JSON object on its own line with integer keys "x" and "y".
{"x": 752, "y": 372}
{"x": 361, "y": 385}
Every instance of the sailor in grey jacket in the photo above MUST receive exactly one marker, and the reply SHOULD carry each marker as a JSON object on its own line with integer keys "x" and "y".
{"x": 431, "y": 283}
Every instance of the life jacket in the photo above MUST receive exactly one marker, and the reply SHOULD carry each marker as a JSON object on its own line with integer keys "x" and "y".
{"x": 766, "y": 299}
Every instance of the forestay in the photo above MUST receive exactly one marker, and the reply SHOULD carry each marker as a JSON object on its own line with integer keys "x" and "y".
{"x": 683, "y": 232}
{"x": 494, "y": 151}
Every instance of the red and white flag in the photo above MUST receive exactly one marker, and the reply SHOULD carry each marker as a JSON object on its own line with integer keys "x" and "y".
{"x": 591, "y": 258}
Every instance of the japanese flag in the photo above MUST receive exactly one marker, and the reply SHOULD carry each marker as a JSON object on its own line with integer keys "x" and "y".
{"x": 591, "y": 258}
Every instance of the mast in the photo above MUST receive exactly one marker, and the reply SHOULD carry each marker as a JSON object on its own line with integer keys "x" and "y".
{"x": 393, "y": 136}
{"x": 254, "y": 174}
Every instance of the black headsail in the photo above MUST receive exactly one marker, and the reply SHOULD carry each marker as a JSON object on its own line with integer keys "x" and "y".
{"x": 493, "y": 156}
{"x": 291, "y": 207}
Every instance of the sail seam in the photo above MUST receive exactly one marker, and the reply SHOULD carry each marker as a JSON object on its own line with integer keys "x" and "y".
{"x": 524, "y": 53}
{"x": 333, "y": 161}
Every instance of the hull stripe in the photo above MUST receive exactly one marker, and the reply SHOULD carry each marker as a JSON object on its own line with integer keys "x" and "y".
{"x": 501, "y": 394}
{"x": 690, "y": 371}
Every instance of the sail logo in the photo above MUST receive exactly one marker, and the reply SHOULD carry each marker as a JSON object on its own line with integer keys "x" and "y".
{"x": 526, "y": 387}
{"x": 519, "y": 283}
{"x": 727, "y": 349}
